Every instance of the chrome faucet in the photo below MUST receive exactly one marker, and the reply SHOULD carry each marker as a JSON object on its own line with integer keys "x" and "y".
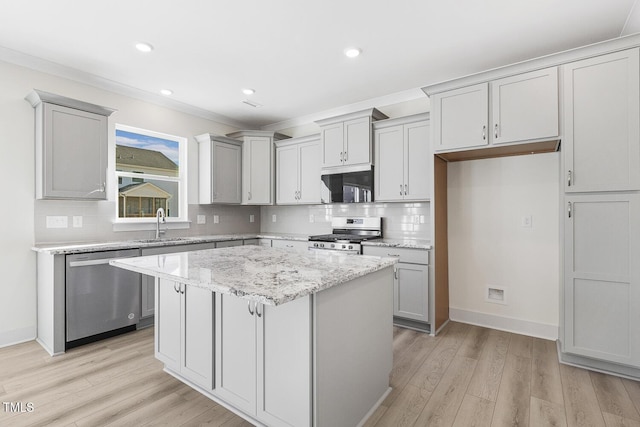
{"x": 159, "y": 214}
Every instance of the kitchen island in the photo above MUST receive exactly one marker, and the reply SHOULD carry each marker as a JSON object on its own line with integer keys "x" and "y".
{"x": 280, "y": 338}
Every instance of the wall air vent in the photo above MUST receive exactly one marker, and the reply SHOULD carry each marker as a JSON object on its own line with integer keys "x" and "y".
{"x": 496, "y": 295}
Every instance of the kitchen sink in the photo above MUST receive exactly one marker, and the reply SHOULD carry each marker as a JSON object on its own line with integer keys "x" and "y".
{"x": 164, "y": 239}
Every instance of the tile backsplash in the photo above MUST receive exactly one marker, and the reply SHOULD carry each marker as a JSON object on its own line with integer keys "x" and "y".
{"x": 400, "y": 220}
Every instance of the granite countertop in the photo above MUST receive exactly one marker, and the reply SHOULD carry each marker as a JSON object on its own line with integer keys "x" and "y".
{"x": 400, "y": 243}
{"x": 270, "y": 276}
{"x": 83, "y": 247}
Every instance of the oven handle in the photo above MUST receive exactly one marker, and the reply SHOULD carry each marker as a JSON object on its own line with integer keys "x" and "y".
{"x": 333, "y": 251}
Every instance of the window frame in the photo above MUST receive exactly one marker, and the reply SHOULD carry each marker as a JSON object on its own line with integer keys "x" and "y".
{"x": 181, "y": 179}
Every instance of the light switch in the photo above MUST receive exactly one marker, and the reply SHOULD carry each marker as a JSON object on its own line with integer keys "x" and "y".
{"x": 216, "y": 219}
{"x": 273, "y": 218}
{"x": 527, "y": 221}
{"x": 77, "y": 221}
{"x": 312, "y": 218}
{"x": 57, "y": 221}
{"x": 202, "y": 219}
{"x": 252, "y": 218}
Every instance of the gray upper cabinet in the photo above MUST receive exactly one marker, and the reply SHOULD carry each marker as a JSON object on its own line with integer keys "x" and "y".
{"x": 298, "y": 170}
{"x": 515, "y": 109}
{"x": 71, "y": 147}
{"x": 602, "y": 123}
{"x": 220, "y": 169}
{"x": 402, "y": 149}
{"x": 346, "y": 143}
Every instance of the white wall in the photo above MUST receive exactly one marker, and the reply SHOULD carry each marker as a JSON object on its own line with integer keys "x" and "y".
{"x": 488, "y": 245}
{"x": 17, "y": 227}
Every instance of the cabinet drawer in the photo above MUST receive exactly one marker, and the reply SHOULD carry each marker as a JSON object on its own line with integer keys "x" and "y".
{"x": 411, "y": 256}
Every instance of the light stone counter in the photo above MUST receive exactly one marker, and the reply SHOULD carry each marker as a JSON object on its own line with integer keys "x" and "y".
{"x": 400, "y": 243}
{"x": 269, "y": 276}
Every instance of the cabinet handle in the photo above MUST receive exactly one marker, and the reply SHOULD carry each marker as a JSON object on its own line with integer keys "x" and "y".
{"x": 104, "y": 186}
{"x": 174, "y": 288}
{"x": 569, "y": 209}
{"x": 395, "y": 273}
{"x": 249, "y": 307}
{"x": 394, "y": 255}
{"x": 257, "y": 311}
{"x": 484, "y": 132}
{"x": 341, "y": 156}
{"x": 183, "y": 288}
{"x": 401, "y": 189}
{"x": 495, "y": 131}
{"x": 405, "y": 189}
{"x": 249, "y": 195}
{"x": 346, "y": 156}
{"x": 569, "y": 179}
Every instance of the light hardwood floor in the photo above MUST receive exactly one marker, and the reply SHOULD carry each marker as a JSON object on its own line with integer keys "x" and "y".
{"x": 466, "y": 376}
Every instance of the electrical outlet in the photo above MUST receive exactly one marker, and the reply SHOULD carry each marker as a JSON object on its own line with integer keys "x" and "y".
{"x": 416, "y": 219}
{"x": 312, "y": 218}
{"x": 527, "y": 221}
{"x": 202, "y": 219}
{"x": 216, "y": 219}
{"x": 421, "y": 219}
{"x": 252, "y": 218}
{"x": 273, "y": 218}
{"x": 77, "y": 221}
{"x": 57, "y": 222}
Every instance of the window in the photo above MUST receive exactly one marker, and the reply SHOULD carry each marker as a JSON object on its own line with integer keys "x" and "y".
{"x": 150, "y": 171}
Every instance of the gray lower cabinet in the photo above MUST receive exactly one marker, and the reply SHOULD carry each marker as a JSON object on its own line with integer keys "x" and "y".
{"x": 182, "y": 308}
{"x": 411, "y": 281}
{"x": 148, "y": 282}
{"x": 295, "y": 245}
{"x": 263, "y": 359}
{"x": 228, "y": 243}
{"x": 602, "y": 277}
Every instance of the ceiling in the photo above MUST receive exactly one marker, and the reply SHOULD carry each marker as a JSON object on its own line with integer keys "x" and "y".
{"x": 291, "y": 51}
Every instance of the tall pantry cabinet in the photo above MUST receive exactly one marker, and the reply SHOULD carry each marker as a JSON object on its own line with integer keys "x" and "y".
{"x": 601, "y": 165}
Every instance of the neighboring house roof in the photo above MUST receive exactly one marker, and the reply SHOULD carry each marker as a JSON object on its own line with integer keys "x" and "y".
{"x": 132, "y": 156}
{"x": 143, "y": 189}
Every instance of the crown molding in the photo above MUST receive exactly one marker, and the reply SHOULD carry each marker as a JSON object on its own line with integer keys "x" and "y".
{"x": 38, "y": 64}
{"x": 381, "y": 101}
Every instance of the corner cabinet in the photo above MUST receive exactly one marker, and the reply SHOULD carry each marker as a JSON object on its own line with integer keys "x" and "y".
{"x": 71, "y": 147}
{"x": 257, "y": 165}
{"x": 602, "y": 277}
{"x": 298, "y": 171}
{"x": 263, "y": 363}
{"x": 181, "y": 308}
{"x": 219, "y": 169}
{"x": 524, "y": 108}
{"x": 602, "y": 123}
{"x": 346, "y": 140}
{"x": 402, "y": 150}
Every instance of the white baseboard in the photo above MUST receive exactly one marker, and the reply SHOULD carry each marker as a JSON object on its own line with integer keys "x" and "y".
{"x": 17, "y": 336}
{"x": 502, "y": 323}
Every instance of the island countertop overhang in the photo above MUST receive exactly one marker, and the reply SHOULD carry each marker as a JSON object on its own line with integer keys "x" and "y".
{"x": 268, "y": 276}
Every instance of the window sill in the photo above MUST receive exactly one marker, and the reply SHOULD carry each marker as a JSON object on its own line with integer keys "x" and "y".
{"x": 143, "y": 226}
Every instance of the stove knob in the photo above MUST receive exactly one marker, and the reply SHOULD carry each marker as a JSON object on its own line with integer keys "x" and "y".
{"x": 344, "y": 246}
{"x": 333, "y": 246}
{"x": 315, "y": 245}
{"x": 322, "y": 245}
{"x": 350, "y": 246}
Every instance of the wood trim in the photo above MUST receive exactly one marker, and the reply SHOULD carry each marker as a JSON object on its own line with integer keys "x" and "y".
{"x": 441, "y": 248}
{"x": 501, "y": 151}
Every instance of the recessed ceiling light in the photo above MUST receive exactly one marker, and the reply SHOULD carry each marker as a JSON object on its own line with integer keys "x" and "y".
{"x": 248, "y": 91}
{"x": 166, "y": 92}
{"x": 144, "y": 47}
{"x": 352, "y": 52}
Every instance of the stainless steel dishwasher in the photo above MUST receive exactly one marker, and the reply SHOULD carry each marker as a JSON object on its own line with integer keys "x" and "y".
{"x": 100, "y": 299}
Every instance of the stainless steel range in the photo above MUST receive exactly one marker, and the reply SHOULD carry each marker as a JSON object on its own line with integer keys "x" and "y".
{"x": 348, "y": 233}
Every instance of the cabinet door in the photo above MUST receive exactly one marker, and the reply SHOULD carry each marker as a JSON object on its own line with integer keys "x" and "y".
{"x": 167, "y": 323}
{"x": 227, "y": 177}
{"x": 228, "y": 243}
{"x": 197, "y": 335}
{"x": 357, "y": 144}
{"x": 417, "y": 165}
{"x": 284, "y": 364}
{"x": 332, "y": 138}
{"x": 460, "y": 118}
{"x": 525, "y": 107}
{"x": 411, "y": 292}
{"x": 287, "y": 175}
{"x": 309, "y": 172}
{"x": 602, "y": 123}
{"x": 75, "y": 153}
{"x": 235, "y": 353}
{"x": 389, "y": 169}
{"x": 602, "y": 277}
{"x": 258, "y": 159}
